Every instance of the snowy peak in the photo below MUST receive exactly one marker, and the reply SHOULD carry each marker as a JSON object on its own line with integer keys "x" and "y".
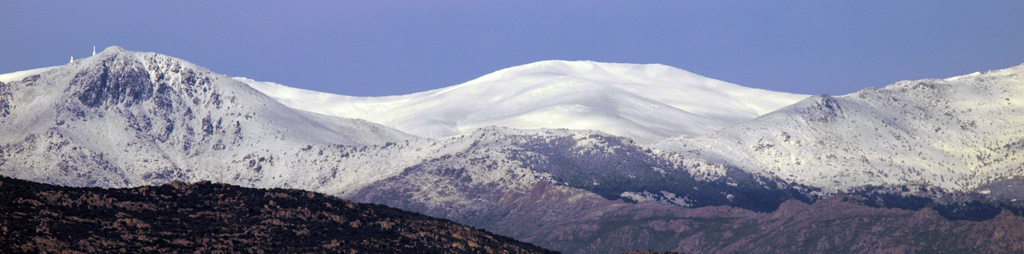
{"x": 169, "y": 86}
{"x": 957, "y": 133}
{"x": 123, "y": 118}
{"x": 643, "y": 102}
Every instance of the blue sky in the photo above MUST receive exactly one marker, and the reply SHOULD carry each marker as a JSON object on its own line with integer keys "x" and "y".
{"x": 373, "y": 48}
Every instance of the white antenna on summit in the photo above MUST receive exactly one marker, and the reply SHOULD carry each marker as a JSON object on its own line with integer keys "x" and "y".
{"x": 94, "y": 50}
{"x": 72, "y": 59}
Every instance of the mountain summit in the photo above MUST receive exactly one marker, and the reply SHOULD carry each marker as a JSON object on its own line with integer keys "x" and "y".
{"x": 646, "y": 102}
{"x": 149, "y": 114}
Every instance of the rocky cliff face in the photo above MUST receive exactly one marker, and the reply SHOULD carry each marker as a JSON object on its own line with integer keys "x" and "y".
{"x": 206, "y": 217}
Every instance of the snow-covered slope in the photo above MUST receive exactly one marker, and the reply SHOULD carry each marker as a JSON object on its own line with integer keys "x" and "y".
{"x": 957, "y": 133}
{"x": 123, "y": 118}
{"x": 644, "y": 102}
{"x": 19, "y": 75}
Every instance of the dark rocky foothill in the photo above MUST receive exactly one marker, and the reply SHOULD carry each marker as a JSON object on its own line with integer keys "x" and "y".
{"x": 209, "y": 218}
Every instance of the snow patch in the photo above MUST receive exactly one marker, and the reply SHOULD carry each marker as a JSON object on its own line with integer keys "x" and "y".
{"x": 19, "y": 75}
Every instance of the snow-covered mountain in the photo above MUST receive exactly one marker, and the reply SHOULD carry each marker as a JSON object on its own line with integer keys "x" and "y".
{"x": 644, "y": 102}
{"x": 958, "y": 133}
{"x": 123, "y": 118}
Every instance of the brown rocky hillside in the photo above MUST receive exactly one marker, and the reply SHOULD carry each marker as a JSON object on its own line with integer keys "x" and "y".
{"x": 211, "y": 218}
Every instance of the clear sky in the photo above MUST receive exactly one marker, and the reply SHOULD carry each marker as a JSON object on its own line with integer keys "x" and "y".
{"x": 373, "y": 48}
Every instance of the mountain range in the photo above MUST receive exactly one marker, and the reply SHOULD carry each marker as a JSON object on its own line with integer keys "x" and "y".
{"x": 580, "y": 157}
